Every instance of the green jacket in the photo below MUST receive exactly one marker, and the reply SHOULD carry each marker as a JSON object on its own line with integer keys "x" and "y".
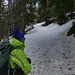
{"x": 17, "y": 57}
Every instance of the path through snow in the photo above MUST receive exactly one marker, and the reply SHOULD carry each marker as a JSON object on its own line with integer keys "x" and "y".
{"x": 51, "y": 51}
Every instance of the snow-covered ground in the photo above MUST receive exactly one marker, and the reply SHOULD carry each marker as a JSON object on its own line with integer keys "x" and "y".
{"x": 52, "y": 52}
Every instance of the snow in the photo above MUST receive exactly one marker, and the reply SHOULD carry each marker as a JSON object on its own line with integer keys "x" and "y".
{"x": 52, "y": 52}
{"x": 69, "y": 13}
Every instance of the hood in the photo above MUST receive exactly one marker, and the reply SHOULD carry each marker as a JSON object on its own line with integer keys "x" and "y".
{"x": 17, "y": 43}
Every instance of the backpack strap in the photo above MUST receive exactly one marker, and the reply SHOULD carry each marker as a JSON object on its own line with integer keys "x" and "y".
{"x": 12, "y": 48}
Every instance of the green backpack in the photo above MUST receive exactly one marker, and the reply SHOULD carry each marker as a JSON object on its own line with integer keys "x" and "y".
{"x": 5, "y": 49}
{"x": 4, "y": 52}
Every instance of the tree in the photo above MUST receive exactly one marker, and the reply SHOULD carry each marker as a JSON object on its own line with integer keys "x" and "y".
{"x": 74, "y": 4}
{"x": 63, "y": 7}
{"x": 23, "y": 13}
{"x": 54, "y": 8}
{"x": 2, "y": 20}
{"x": 17, "y": 13}
{"x": 46, "y": 9}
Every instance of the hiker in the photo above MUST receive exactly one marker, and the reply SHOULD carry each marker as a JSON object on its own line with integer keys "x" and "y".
{"x": 17, "y": 57}
{"x": 13, "y": 61}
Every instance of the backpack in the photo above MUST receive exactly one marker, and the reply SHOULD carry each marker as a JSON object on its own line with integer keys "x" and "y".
{"x": 4, "y": 52}
{"x": 5, "y": 49}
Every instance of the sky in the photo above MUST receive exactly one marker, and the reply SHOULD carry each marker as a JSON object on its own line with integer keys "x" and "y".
{"x": 37, "y": 5}
{"x": 6, "y": 2}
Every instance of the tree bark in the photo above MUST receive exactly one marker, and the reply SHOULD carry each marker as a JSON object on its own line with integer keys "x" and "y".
{"x": 74, "y": 4}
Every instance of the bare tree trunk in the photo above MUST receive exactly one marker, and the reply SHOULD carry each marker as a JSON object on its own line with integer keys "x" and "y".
{"x": 74, "y": 4}
{"x": 10, "y": 5}
{"x": 1, "y": 20}
{"x": 23, "y": 18}
{"x": 23, "y": 23}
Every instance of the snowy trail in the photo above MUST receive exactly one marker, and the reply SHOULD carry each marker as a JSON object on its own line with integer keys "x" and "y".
{"x": 51, "y": 51}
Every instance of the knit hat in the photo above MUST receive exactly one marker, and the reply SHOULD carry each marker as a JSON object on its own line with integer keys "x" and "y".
{"x": 17, "y": 34}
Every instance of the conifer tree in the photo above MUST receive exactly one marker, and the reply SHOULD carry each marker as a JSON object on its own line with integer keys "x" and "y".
{"x": 63, "y": 7}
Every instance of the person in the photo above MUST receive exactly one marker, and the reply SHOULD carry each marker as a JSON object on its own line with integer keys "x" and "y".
{"x": 20, "y": 64}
